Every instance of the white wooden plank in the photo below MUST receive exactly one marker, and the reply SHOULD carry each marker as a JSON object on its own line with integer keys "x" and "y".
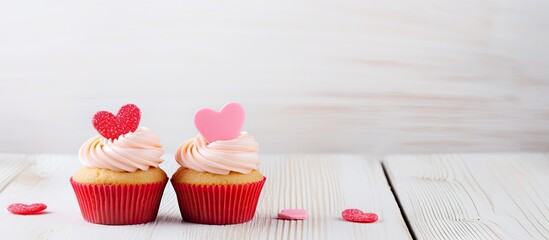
{"x": 473, "y": 196}
{"x": 11, "y": 165}
{"x": 323, "y": 184}
{"x": 348, "y": 76}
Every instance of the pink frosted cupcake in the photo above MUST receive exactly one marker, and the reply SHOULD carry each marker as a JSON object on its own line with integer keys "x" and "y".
{"x": 120, "y": 182}
{"x": 218, "y": 181}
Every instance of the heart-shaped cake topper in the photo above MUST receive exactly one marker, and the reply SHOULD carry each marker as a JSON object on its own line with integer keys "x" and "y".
{"x": 223, "y": 125}
{"x": 111, "y": 126}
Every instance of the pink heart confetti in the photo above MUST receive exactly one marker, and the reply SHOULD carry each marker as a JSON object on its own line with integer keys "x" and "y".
{"x": 292, "y": 214}
{"x": 223, "y": 125}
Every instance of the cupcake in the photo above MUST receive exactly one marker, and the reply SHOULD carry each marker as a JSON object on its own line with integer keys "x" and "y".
{"x": 120, "y": 183}
{"x": 218, "y": 181}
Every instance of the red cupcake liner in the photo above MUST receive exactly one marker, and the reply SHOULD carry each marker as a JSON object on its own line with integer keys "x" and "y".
{"x": 119, "y": 204}
{"x": 218, "y": 204}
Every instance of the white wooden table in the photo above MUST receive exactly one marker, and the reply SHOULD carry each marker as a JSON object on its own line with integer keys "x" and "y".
{"x": 460, "y": 196}
{"x": 473, "y": 196}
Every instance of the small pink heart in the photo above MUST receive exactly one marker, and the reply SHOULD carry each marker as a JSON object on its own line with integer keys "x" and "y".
{"x": 293, "y": 214}
{"x": 223, "y": 125}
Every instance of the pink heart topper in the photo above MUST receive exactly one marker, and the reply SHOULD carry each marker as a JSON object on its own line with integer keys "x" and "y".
{"x": 223, "y": 125}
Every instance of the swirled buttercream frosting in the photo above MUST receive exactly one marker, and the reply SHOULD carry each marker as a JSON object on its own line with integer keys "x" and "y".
{"x": 219, "y": 157}
{"x": 129, "y": 152}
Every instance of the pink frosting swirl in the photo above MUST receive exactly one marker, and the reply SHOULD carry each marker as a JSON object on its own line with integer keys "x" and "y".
{"x": 135, "y": 150}
{"x": 219, "y": 157}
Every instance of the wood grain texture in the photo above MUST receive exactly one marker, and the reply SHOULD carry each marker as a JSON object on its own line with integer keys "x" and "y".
{"x": 473, "y": 196}
{"x": 11, "y": 165}
{"x": 323, "y": 184}
{"x": 349, "y": 76}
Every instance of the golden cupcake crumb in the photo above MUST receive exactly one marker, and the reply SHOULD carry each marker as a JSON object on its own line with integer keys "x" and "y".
{"x": 189, "y": 176}
{"x": 88, "y": 175}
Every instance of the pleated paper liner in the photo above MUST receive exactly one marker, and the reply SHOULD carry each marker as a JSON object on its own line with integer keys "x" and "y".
{"x": 218, "y": 204}
{"x": 119, "y": 204}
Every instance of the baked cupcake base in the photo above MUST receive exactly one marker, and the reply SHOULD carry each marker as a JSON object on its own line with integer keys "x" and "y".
{"x": 218, "y": 204}
{"x": 119, "y": 198}
{"x": 189, "y": 176}
{"x": 119, "y": 204}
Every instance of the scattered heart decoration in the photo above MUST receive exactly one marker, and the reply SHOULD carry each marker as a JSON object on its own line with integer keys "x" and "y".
{"x": 223, "y": 125}
{"x": 26, "y": 209}
{"x": 356, "y": 215}
{"x": 111, "y": 126}
{"x": 292, "y": 214}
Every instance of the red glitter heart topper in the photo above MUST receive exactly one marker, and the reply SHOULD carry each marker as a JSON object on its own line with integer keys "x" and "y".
{"x": 111, "y": 126}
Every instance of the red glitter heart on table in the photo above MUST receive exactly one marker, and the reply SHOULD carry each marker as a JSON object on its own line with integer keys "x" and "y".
{"x": 111, "y": 126}
{"x": 356, "y": 215}
{"x": 26, "y": 209}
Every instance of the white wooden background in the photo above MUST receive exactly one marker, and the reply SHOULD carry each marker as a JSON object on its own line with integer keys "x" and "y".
{"x": 315, "y": 76}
